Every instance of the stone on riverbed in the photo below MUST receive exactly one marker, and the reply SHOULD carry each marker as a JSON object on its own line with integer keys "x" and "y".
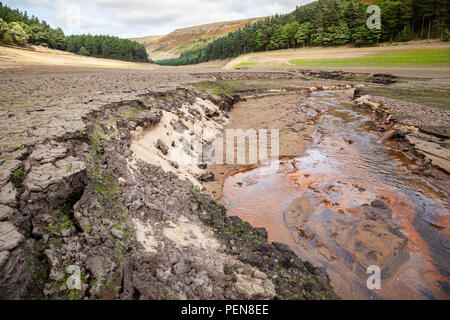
{"x": 50, "y": 152}
{"x": 10, "y": 238}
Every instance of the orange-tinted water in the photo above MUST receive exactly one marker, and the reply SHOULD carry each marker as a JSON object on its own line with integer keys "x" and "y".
{"x": 319, "y": 204}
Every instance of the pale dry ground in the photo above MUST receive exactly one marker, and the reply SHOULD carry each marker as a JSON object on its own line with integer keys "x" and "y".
{"x": 213, "y": 64}
{"x": 15, "y": 57}
{"x": 144, "y": 145}
{"x": 281, "y": 58}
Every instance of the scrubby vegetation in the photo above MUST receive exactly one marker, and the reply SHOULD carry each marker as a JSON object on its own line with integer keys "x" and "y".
{"x": 328, "y": 23}
{"x": 19, "y": 29}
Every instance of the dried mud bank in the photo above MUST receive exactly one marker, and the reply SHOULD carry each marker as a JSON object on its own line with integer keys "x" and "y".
{"x": 87, "y": 198}
{"x": 424, "y": 131}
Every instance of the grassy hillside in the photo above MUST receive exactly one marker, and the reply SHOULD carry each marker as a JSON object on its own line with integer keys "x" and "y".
{"x": 172, "y": 44}
{"x": 328, "y": 23}
{"x": 431, "y": 55}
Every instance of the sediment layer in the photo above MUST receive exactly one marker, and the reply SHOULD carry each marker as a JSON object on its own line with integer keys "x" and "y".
{"x": 74, "y": 194}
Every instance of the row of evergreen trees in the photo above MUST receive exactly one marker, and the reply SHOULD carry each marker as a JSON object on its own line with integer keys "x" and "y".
{"x": 107, "y": 47}
{"x": 18, "y": 28}
{"x": 328, "y": 23}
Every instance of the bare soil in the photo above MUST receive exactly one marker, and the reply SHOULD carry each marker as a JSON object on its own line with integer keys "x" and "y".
{"x": 18, "y": 57}
{"x": 281, "y": 58}
{"x": 70, "y": 193}
{"x": 272, "y": 112}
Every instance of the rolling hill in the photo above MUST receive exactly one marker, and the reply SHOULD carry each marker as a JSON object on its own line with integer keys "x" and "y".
{"x": 172, "y": 44}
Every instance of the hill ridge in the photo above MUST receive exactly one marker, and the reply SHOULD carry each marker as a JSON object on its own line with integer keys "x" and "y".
{"x": 180, "y": 39}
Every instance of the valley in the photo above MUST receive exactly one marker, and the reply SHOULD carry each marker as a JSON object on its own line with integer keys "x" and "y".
{"x": 113, "y": 185}
{"x": 286, "y": 157}
{"x": 171, "y": 45}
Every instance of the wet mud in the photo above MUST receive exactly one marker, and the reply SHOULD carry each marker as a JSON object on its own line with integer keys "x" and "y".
{"x": 349, "y": 202}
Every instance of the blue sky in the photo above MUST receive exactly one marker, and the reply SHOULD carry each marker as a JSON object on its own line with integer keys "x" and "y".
{"x": 135, "y": 18}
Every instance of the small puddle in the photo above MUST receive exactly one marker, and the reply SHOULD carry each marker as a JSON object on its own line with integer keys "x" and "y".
{"x": 351, "y": 202}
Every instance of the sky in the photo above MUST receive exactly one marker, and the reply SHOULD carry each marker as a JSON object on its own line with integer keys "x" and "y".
{"x": 137, "y": 18}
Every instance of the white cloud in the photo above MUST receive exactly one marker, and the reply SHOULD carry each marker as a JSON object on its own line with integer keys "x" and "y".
{"x": 130, "y": 18}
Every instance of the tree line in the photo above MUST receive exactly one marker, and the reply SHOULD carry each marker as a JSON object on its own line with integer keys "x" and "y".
{"x": 107, "y": 47}
{"x": 18, "y": 28}
{"x": 328, "y": 23}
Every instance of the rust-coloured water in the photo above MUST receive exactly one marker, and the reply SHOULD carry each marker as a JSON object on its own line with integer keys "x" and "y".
{"x": 319, "y": 204}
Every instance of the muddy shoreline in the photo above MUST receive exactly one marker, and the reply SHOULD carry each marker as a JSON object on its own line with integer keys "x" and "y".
{"x": 71, "y": 198}
{"x": 423, "y": 168}
{"x": 74, "y": 194}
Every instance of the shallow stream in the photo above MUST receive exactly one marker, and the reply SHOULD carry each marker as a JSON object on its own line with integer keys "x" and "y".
{"x": 352, "y": 201}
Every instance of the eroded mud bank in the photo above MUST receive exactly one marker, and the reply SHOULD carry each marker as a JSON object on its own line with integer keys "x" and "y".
{"x": 351, "y": 201}
{"x": 82, "y": 185}
{"x": 96, "y": 200}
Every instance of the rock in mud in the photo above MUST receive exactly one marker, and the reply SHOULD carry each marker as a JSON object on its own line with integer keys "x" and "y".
{"x": 260, "y": 275}
{"x": 378, "y": 204}
{"x": 52, "y": 183}
{"x": 255, "y": 288}
{"x": 207, "y": 176}
{"x": 97, "y": 266}
{"x": 179, "y": 126}
{"x": 10, "y": 238}
{"x": 227, "y": 102}
{"x": 4, "y": 255}
{"x": 162, "y": 146}
{"x": 117, "y": 233}
{"x": 8, "y": 195}
{"x": 390, "y": 134}
{"x": 6, "y": 170}
{"x": 382, "y": 78}
{"x": 432, "y": 150}
{"x": 50, "y": 152}
{"x": 357, "y": 93}
{"x": 5, "y": 212}
{"x": 122, "y": 182}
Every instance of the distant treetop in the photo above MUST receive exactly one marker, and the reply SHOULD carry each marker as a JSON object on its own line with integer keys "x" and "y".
{"x": 328, "y": 23}
{"x": 18, "y": 28}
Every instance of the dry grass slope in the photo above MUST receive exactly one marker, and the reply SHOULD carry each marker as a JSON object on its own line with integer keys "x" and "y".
{"x": 171, "y": 45}
{"x": 16, "y": 57}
